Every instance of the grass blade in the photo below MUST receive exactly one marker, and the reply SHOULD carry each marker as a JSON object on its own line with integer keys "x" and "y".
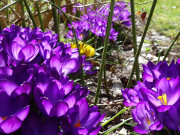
{"x": 120, "y": 112}
{"x": 117, "y": 126}
{"x": 171, "y": 46}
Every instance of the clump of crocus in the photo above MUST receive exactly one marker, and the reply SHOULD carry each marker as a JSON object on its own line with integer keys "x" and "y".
{"x": 85, "y": 49}
{"x": 157, "y": 98}
{"x": 95, "y": 22}
{"x": 35, "y": 90}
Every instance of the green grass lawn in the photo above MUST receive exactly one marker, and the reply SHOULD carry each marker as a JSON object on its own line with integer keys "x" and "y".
{"x": 166, "y": 18}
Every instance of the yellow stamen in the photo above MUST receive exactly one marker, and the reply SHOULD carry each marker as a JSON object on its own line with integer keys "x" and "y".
{"x": 148, "y": 120}
{"x": 77, "y": 124}
{"x": 81, "y": 35}
{"x": 163, "y": 98}
{"x": 168, "y": 78}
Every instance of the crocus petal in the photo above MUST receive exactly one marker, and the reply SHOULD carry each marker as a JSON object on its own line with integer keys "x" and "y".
{"x": 174, "y": 97}
{"x": 59, "y": 109}
{"x": 92, "y": 119}
{"x": 22, "y": 114}
{"x": 156, "y": 126}
{"x": 83, "y": 108}
{"x": 68, "y": 87}
{"x": 28, "y": 51}
{"x": 55, "y": 63}
{"x": 10, "y": 125}
{"x": 15, "y": 49}
{"x": 8, "y": 86}
{"x": 163, "y": 108}
{"x": 69, "y": 66}
{"x": 47, "y": 105}
{"x": 140, "y": 131}
{"x": 71, "y": 100}
{"x": 95, "y": 131}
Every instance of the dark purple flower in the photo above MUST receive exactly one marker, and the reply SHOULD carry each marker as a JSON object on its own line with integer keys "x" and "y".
{"x": 14, "y": 106}
{"x": 51, "y": 97}
{"x": 35, "y": 125}
{"x": 146, "y": 117}
{"x": 55, "y": 98}
{"x": 81, "y": 120}
{"x": 153, "y": 72}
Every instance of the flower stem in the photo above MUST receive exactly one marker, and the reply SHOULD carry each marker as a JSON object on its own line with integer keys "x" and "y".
{"x": 56, "y": 24}
{"x": 134, "y": 37}
{"x": 40, "y": 18}
{"x": 106, "y": 41}
{"x": 141, "y": 43}
{"x": 30, "y": 14}
{"x": 23, "y": 19}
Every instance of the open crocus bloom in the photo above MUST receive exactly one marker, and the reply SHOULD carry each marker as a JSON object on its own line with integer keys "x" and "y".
{"x": 146, "y": 118}
{"x": 166, "y": 93}
{"x": 81, "y": 120}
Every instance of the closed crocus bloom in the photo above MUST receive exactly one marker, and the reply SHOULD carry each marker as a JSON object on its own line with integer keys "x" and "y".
{"x": 81, "y": 120}
{"x": 165, "y": 94}
{"x": 146, "y": 117}
{"x": 19, "y": 50}
{"x": 54, "y": 98}
{"x": 14, "y": 106}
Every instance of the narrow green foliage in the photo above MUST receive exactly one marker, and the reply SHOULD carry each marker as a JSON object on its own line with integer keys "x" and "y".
{"x": 172, "y": 44}
{"x": 134, "y": 37}
{"x": 56, "y": 24}
{"x": 23, "y": 19}
{"x": 106, "y": 41}
{"x": 40, "y": 18}
{"x": 141, "y": 43}
{"x": 9, "y": 5}
{"x": 117, "y": 126}
{"x": 120, "y": 112}
{"x": 30, "y": 14}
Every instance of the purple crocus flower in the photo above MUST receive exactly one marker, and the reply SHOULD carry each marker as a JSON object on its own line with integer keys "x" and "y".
{"x": 165, "y": 94}
{"x": 55, "y": 98}
{"x": 51, "y": 97}
{"x": 153, "y": 72}
{"x": 146, "y": 117}
{"x": 133, "y": 96}
{"x": 81, "y": 120}
{"x": 14, "y": 106}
